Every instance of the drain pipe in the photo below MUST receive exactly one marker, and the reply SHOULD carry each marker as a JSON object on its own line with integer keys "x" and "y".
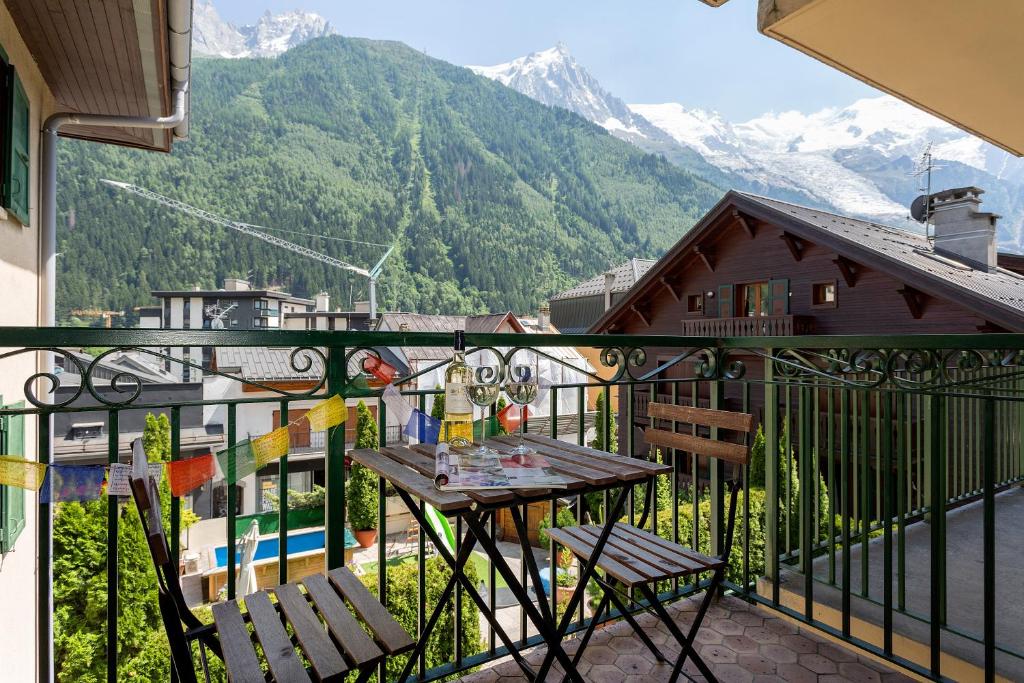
{"x": 51, "y": 128}
{"x": 48, "y": 269}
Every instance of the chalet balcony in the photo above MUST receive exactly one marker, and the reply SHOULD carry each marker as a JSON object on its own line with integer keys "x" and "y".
{"x": 749, "y": 326}
{"x": 878, "y": 531}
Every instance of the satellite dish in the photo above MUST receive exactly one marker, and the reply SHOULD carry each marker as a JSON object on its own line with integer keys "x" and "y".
{"x": 919, "y": 208}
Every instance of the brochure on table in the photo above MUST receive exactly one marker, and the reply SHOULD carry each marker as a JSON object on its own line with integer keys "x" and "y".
{"x": 462, "y": 470}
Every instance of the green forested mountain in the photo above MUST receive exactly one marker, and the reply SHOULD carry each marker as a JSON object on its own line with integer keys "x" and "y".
{"x": 496, "y": 201}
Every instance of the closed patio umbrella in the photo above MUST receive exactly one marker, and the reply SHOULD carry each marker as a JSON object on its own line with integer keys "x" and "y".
{"x": 246, "y": 569}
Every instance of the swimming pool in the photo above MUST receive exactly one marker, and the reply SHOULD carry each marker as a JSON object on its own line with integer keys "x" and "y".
{"x": 298, "y": 542}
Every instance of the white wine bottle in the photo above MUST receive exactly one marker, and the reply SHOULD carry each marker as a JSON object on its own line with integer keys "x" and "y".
{"x": 457, "y": 428}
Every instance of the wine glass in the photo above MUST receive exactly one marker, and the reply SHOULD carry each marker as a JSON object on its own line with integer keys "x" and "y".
{"x": 522, "y": 390}
{"x": 483, "y": 391}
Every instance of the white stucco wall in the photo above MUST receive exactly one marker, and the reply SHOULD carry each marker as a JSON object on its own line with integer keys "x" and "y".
{"x": 19, "y": 280}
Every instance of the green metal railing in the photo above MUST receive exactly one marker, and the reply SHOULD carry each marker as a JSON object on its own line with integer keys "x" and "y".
{"x": 867, "y": 441}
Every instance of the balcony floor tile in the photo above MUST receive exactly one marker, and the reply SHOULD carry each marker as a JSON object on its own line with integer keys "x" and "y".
{"x": 799, "y": 654}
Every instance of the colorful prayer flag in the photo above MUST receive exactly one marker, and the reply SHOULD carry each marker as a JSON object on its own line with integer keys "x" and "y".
{"x": 327, "y": 414}
{"x": 511, "y": 416}
{"x": 398, "y": 407}
{"x": 357, "y": 387}
{"x": 485, "y": 428}
{"x": 380, "y": 369}
{"x": 119, "y": 479}
{"x": 17, "y": 471}
{"x": 423, "y": 427}
{"x": 66, "y": 483}
{"x": 237, "y": 462}
{"x": 156, "y": 472}
{"x": 270, "y": 447}
{"x": 186, "y": 475}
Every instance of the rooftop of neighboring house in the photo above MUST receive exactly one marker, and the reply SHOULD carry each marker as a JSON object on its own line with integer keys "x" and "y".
{"x": 995, "y": 291}
{"x": 624, "y": 276}
{"x": 278, "y": 364}
{"x": 426, "y": 322}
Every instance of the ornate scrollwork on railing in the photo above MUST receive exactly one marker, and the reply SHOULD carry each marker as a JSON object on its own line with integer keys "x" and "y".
{"x": 905, "y": 369}
{"x": 53, "y": 378}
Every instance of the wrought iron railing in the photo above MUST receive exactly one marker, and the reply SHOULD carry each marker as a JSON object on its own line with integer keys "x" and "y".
{"x": 867, "y": 445}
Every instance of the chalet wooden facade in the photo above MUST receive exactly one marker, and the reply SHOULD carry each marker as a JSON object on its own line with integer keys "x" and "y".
{"x": 760, "y": 267}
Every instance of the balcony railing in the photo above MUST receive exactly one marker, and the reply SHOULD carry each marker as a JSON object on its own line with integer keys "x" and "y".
{"x": 868, "y": 444}
{"x": 749, "y": 326}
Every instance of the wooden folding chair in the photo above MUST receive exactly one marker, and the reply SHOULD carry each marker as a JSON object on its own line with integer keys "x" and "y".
{"x": 326, "y": 633}
{"x": 634, "y": 558}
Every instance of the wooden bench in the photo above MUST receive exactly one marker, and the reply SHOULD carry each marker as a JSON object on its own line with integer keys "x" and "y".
{"x": 637, "y": 558}
{"x": 328, "y": 635}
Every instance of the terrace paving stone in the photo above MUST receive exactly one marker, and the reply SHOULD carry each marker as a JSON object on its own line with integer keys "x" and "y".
{"x": 753, "y": 646}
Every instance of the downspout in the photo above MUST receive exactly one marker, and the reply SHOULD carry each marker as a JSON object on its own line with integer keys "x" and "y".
{"x": 51, "y": 128}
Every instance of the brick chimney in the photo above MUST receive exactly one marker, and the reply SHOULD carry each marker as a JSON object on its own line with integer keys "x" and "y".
{"x": 961, "y": 231}
{"x": 544, "y": 317}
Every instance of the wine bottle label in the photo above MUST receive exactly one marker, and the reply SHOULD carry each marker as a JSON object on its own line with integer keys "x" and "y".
{"x": 456, "y": 399}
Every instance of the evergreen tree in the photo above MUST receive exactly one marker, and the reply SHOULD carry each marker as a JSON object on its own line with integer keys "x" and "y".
{"x": 437, "y": 410}
{"x": 363, "y": 497}
{"x": 599, "y": 427}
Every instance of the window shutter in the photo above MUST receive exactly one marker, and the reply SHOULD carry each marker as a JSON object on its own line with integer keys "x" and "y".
{"x": 16, "y": 189}
{"x": 12, "y": 498}
{"x": 725, "y": 305}
{"x": 778, "y": 293}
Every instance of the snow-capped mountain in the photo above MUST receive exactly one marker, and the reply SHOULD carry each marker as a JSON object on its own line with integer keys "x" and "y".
{"x": 554, "y": 77}
{"x": 858, "y": 160}
{"x": 271, "y": 35}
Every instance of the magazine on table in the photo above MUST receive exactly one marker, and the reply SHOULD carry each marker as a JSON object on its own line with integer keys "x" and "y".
{"x": 461, "y": 470}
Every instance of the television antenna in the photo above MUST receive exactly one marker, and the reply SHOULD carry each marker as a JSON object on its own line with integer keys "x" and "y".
{"x": 217, "y": 314}
{"x": 921, "y": 207}
{"x": 371, "y": 274}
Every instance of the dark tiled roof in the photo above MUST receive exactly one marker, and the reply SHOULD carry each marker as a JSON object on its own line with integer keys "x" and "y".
{"x": 626, "y": 275}
{"x": 907, "y": 249}
{"x": 422, "y": 322}
{"x": 272, "y": 363}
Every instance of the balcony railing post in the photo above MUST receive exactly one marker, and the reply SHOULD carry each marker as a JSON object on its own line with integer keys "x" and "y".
{"x": 771, "y": 474}
{"x": 716, "y": 475}
{"x": 112, "y": 550}
{"x": 44, "y": 590}
{"x": 937, "y": 518}
{"x": 337, "y": 377}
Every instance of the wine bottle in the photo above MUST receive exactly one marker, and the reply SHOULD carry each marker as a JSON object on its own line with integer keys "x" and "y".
{"x": 457, "y": 428}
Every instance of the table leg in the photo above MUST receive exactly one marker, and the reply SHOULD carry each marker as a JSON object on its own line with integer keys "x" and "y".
{"x": 524, "y": 543}
{"x": 470, "y": 541}
{"x": 544, "y": 627}
{"x": 614, "y": 512}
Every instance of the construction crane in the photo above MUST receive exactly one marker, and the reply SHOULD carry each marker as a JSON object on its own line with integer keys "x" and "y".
{"x": 371, "y": 274}
{"x": 97, "y": 313}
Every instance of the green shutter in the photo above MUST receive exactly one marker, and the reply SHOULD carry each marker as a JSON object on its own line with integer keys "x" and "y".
{"x": 778, "y": 297}
{"x": 12, "y": 498}
{"x": 16, "y": 187}
{"x": 725, "y": 305}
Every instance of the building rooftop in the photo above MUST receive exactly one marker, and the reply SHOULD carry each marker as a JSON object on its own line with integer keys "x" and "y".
{"x": 626, "y": 275}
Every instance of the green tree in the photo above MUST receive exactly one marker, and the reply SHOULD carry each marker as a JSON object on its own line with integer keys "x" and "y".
{"x": 80, "y": 580}
{"x": 437, "y": 410}
{"x": 362, "y": 498}
{"x": 599, "y": 427}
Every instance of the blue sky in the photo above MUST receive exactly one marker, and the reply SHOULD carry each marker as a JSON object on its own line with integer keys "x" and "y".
{"x": 643, "y": 51}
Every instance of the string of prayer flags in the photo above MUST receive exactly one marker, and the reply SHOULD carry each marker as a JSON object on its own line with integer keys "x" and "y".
{"x": 270, "y": 447}
{"x": 237, "y": 462}
{"x": 423, "y": 427}
{"x": 485, "y": 428}
{"x": 67, "y": 483}
{"x": 186, "y": 475}
{"x": 327, "y": 414}
{"x": 25, "y": 474}
{"x": 156, "y": 472}
{"x": 397, "y": 406}
{"x": 382, "y": 370}
{"x": 511, "y": 417}
{"x": 119, "y": 479}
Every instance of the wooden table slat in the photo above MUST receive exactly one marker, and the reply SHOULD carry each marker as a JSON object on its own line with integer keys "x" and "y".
{"x": 277, "y": 646}
{"x": 346, "y": 629}
{"x": 421, "y": 458}
{"x": 388, "y": 631}
{"x": 566, "y": 463}
{"x": 638, "y": 463}
{"x": 240, "y": 658}
{"x": 622, "y": 471}
{"x": 416, "y": 484}
{"x": 321, "y": 652}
